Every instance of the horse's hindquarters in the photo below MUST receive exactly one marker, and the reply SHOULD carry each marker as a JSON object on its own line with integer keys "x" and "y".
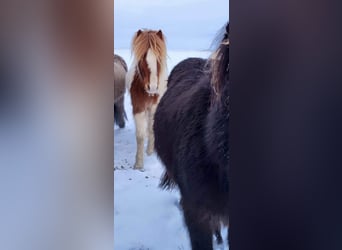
{"x": 119, "y": 81}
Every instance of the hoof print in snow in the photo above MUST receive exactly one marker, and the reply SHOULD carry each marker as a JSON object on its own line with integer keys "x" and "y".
{"x": 146, "y": 177}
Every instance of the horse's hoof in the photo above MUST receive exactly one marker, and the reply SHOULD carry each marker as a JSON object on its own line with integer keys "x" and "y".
{"x": 121, "y": 124}
{"x": 138, "y": 167}
{"x": 149, "y": 151}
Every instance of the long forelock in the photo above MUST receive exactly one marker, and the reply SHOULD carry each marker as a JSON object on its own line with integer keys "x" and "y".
{"x": 149, "y": 40}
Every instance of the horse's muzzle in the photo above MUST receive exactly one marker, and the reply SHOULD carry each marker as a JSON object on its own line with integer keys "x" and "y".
{"x": 152, "y": 92}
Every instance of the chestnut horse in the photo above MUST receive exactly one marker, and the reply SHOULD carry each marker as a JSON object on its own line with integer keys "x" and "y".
{"x": 191, "y": 133}
{"x": 120, "y": 70}
{"x": 146, "y": 81}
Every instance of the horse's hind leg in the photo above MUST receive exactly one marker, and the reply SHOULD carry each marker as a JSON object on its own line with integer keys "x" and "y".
{"x": 200, "y": 230}
{"x": 150, "y": 144}
{"x": 140, "y": 128}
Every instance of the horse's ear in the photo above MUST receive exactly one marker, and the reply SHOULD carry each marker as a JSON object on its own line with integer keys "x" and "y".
{"x": 160, "y": 34}
{"x": 139, "y": 32}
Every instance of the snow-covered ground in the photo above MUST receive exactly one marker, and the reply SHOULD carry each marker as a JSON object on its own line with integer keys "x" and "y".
{"x": 145, "y": 217}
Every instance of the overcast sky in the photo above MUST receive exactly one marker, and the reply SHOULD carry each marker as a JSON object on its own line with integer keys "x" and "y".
{"x": 187, "y": 24}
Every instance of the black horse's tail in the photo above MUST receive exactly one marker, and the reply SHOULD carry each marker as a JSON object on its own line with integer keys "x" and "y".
{"x": 167, "y": 182}
{"x": 116, "y": 114}
{"x": 119, "y": 115}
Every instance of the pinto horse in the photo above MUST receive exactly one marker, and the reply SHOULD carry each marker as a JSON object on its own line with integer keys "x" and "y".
{"x": 146, "y": 81}
{"x": 191, "y": 136}
{"x": 120, "y": 70}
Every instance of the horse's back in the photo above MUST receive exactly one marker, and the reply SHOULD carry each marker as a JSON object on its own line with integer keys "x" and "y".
{"x": 185, "y": 69}
{"x": 118, "y": 59}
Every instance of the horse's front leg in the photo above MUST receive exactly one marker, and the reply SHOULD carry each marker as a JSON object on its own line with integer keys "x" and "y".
{"x": 140, "y": 128}
{"x": 150, "y": 144}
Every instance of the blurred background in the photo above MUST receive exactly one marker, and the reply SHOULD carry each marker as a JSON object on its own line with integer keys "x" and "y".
{"x": 56, "y": 146}
{"x": 188, "y": 24}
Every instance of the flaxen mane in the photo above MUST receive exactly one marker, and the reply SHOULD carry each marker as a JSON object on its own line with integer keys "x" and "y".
{"x": 149, "y": 39}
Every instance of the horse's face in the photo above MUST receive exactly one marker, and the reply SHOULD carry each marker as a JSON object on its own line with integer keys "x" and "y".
{"x": 149, "y": 65}
{"x": 148, "y": 68}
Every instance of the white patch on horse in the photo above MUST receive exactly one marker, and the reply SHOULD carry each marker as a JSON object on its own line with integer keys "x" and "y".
{"x": 151, "y": 60}
{"x": 140, "y": 120}
{"x": 130, "y": 74}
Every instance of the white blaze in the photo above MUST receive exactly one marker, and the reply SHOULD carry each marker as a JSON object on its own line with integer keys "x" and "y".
{"x": 151, "y": 60}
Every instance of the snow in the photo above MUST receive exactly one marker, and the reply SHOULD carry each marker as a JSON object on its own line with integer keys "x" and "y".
{"x": 145, "y": 216}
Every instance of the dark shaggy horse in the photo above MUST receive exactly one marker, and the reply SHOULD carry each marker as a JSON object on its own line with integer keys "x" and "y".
{"x": 191, "y": 139}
